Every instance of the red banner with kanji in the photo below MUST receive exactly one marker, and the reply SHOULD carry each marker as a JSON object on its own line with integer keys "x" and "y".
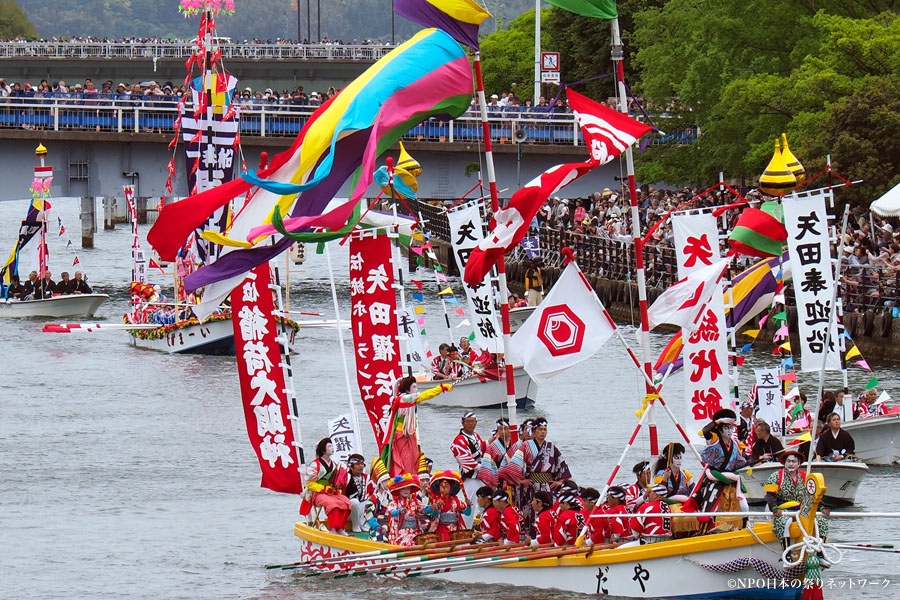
{"x": 374, "y": 323}
{"x": 262, "y": 382}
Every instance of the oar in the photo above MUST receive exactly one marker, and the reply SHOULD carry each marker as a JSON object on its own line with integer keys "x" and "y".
{"x": 92, "y": 327}
{"x": 382, "y": 569}
{"x": 496, "y": 561}
{"x": 339, "y": 562}
{"x": 389, "y": 560}
{"x": 866, "y": 548}
{"x": 355, "y": 557}
{"x": 866, "y": 544}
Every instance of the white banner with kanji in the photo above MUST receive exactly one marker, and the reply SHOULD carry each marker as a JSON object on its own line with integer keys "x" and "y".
{"x": 806, "y": 221}
{"x": 705, "y": 349}
{"x": 768, "y": 398}
{"x": 465, "y": 234}
{"x": 373, "y": 318}
{"x": 414, "y": 345}
{"x": 262, "y": 382}
{"x": 343, "y": 437}
{"x": 139, "y": 269}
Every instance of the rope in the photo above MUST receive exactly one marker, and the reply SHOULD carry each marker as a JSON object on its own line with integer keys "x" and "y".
{"x": 760, "y": 542}
{"x": 812, "y": 546}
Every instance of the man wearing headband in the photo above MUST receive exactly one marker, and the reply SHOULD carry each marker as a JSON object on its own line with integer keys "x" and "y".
{"x": 745, "y": 425}
{"x": 617, "y": 529}
{"x": 636, "y": 495}
{"x": 510, "y": 518}
{"x": 487, "y": 522}
{"x": 719, "y": 488}
{"x": 359, "y": 489}
{"x": 498, "y": 445}
{"x": 652, "y": 529}
{"x": 537, "y": 465}
{"x": 596, "y": 529}
{"x": 469, "y": 450}
{"x": 570, "y": 521}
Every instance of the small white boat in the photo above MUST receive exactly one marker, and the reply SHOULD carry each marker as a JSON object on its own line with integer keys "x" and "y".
{"x": 323, "y": 324}
{"x": 724, "y": 565}
{"x": 75, "y": 305}
{"x": 876, "y": 438}
{"x": 842, "y": 480}
{"x": 474, "y": 393}
{"x": 517, "y": 316}
{"x": 211, "y": 337}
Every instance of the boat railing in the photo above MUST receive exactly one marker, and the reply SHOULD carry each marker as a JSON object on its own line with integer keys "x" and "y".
{"x": 184, "y": 49}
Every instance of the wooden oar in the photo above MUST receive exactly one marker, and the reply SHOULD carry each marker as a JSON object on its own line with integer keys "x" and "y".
{"x": 455, "y": 557}
{"x": 453, "y": 546}
{"x": 355, "y": 557}
{"x": 92, "y": 327}
{"x": 495, "y": 561}
{"x": 866, "y": 548}
{"x": 397, "y": 558}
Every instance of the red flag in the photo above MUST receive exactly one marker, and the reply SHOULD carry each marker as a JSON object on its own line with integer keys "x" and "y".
{"x": 76, "y": 261}
{"x": 62, "y": 230}
{"x": 511, "y": 223}
{"x": 262, "y": 382}
{"x": 155, "y": 265}
{"x": 683, "y": 303}
{"x": 607, "y": 132}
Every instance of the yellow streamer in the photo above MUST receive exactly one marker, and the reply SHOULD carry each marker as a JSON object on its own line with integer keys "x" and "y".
{"x": 645, "y": 403}
{"x": 445, "y": 291}
{"x": 217, "y": 238}
{"x": 752, "y": 333}
{"x": 854, "y": 351}
{"x": 786, "y": 346}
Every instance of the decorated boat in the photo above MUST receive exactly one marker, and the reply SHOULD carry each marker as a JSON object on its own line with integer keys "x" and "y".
{"x": 31, "y": 253}
{"x": 475, "y": 392}
{"x": 842, "y": 480}
{"x": 877, "y": 438}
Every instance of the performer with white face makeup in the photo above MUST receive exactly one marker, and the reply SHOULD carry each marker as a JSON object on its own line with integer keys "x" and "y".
{"x": 668, "y": 472}
{"x": 719, "y": 488}
{"x": 784, "y": 489}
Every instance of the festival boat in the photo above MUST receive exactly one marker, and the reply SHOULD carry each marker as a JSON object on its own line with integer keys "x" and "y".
{"x": 72, "y": 305}
{"x": 32, "y": 243}
{"x": 877, "y": 438}
{"x": 842, "y": 480}
{"x": 474, "y": 392}
{"x": 519, "y": 315}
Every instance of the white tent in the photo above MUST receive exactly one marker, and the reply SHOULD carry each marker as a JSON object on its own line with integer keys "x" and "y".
{"x": 889, "y": 204}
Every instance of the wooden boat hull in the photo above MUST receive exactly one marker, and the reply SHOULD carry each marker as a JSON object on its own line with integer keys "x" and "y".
{"x": 214, "y": 337}
{"x": 474, "y": 393}
{"x": 842, "y": 480}
{"x": 689, "y": 568}
{"x": 877, "y": 439}
{"x": 75, "y": 305}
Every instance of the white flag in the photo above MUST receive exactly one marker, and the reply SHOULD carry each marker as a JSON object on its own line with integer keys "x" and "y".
{"x": 683, "y": 303}
{"x": 568, "y": 327}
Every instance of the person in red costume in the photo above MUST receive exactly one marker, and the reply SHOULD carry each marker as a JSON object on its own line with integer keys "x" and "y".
{"x": 446, "y": 509}
{"x": 510, "y": 518}
{"x": 545, "y": 522}
{"x": 567, "y": 529}
{"x": 652, "y": 529}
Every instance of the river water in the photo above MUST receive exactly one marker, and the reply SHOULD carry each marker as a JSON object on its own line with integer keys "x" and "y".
{"x": 127, "y": 473}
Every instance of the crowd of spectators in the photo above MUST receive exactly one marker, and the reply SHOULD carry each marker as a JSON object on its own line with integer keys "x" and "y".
{"x": 871, "y": 262}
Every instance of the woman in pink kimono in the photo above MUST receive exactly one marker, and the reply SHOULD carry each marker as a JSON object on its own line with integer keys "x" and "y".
{"x": 401, "y": 449}
{"x": 326, "y": 480}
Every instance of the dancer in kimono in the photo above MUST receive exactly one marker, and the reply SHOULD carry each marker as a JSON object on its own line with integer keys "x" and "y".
{"x": 326, "y": 480}
{"x": 719, "y": 487}
{"x": 404, "y": 510}
{"x": 788, "y": 485}
{"x": 446, "y": 509}
{"x": 669, "y": 473}
{"x": 401, "y": 448}
{"x": 538, "y": 465}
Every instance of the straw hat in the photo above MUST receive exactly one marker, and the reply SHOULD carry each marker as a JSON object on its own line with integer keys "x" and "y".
{"x": 787, "y": 453}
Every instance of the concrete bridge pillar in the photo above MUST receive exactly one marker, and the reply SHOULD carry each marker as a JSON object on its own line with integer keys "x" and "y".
{"x": 109, "y": 209}
{"x": 88, "y": 221}
{"x": 140, "y": 205}
{"x": 120, "y": 210}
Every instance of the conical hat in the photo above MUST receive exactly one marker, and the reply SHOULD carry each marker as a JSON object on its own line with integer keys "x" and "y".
{"x": 408, "y": 163}
{"x": 791, "y": 161}
{"x": 777, "y": 179}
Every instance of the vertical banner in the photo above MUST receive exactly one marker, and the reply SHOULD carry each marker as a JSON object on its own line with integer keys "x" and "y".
{"x": 410, "y": 331}
{"x": 139, "y": 268}
{"x": 465, "y": 233}
{"x": 768, "y": 397}
{"x": 373, "y": 318}
{"x": 343, "y": 437}
{"x": 806, "y": 220}
{"x": 262, "y": 382}
{"x": 706, "y": 348}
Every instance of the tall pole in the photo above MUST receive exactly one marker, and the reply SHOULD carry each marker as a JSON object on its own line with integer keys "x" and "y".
{"x": 392, "y": 24}
{"x": 319, "y": 20}
{"x": 308, "y": 21}
{"x": 618, "y": 56}
{"x": 299, "y": 24}
{"x": 501, "y": 265}
{"x": 537, "y": 52}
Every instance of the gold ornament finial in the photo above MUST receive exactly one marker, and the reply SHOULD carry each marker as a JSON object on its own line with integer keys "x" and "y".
{"x": 40, "y": 152}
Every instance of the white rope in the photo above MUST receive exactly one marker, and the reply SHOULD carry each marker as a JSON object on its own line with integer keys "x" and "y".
{"x": 811, "y": 545}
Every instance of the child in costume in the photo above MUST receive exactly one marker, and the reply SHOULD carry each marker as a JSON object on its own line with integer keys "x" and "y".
{"x": 567, "y": 526}
{"x": 446, "y": 509}
{"x": 510, "y": 518}
{"x": 545, "y": 522}
{"x": 404, "y": 510}
{"x": 488, "y": 526}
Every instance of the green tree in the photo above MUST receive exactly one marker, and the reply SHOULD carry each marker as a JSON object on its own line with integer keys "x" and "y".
{"x": 14, "y": 22}
{"x": 508, "y": 56}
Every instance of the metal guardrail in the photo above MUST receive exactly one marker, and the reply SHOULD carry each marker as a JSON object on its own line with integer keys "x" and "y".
{"x": 72, "y": 113}
{"x": 143, "y": 50}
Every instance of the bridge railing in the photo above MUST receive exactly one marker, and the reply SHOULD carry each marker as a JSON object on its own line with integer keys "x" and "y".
{"x": 108, "y": 115}
{"x": 230, "y": 50}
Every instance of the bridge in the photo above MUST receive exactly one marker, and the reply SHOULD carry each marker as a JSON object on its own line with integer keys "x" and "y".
{"x": 279, "y": 66}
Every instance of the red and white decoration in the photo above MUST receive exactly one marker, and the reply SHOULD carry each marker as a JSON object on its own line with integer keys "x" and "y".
{"x": 806, "y": 220}
{"x": 373, "y": 319}
{"x": 139, "y": 270}
{"x": 465, "y": 235}
{"x": 685, "y": 301}
{"x": 768, "y": 397}
{"x": 511, "y": 223}
{"x": 607, "y": 132}
{"x": 705, "y": 347}
{"x": 568, "y": 327}
{"x": 262, "y": 382}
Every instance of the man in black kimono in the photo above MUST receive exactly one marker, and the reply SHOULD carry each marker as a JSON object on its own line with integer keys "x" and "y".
{"x": 835, "y": 443}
